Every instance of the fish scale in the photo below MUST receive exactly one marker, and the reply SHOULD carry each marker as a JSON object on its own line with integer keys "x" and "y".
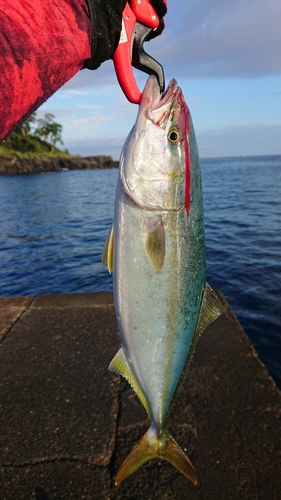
{"x": 156, "y": 250}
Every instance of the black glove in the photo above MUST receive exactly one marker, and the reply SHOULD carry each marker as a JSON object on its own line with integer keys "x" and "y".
{"x": 106, "y": 19}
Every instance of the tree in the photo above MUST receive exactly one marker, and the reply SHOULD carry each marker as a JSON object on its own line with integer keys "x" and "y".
{"x": 25, "y": 127}
{"x": 35, "y": 135}
{"x": 48, "y": 130}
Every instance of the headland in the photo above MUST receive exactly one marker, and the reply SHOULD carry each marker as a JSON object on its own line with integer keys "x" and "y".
{"x": 51, "y": 164}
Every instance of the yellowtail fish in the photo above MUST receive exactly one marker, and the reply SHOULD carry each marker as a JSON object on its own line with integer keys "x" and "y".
{"x": 156, "y": 249}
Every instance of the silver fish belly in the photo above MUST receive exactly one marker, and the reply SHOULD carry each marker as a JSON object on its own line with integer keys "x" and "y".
{"x": 157, "y": 252}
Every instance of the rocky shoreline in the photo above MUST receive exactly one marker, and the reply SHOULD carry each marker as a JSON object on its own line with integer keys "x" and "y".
{"x": 32, "y": 165}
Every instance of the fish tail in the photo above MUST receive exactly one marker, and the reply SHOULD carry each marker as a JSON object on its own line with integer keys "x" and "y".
{"x": 151, "y": 446}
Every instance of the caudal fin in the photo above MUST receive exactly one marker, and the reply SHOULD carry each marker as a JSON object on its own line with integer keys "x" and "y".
{"x": 150, "y": 446}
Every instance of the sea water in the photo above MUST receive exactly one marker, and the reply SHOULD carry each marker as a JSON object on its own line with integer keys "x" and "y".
{"x": 53, "y": 227}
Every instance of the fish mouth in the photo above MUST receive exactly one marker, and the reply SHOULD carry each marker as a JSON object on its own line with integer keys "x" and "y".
{"x": 158, "y": 107}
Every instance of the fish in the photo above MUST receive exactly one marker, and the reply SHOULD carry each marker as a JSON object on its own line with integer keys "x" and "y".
{"x": 156, "y": 251}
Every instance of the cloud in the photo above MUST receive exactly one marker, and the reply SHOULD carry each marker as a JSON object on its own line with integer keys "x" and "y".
{"x": 253, "y": 139}
{"x": 103, "y": 77}
{"x": 221, "y": 38}
{"x": 69, "y": 92}
{"x": 92, "y": 121}
{"x": 204, "y": 38}
{"x": 209, "y": 41}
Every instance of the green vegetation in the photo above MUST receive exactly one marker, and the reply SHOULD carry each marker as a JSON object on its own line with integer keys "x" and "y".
{"x": 34, "y": 138}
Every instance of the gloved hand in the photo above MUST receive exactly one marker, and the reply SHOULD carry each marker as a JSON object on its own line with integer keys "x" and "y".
{"x": 106, "y": 19}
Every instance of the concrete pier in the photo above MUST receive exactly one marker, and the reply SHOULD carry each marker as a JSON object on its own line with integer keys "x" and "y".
{"x": 66, "y": 423}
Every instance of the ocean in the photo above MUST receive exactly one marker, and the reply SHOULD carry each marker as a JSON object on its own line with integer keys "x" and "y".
{"x": 53, "y": 227}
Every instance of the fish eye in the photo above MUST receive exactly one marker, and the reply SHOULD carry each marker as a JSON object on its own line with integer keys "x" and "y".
{"x": 173, "y": 136}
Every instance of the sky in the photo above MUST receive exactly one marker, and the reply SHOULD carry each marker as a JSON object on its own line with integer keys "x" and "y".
{"x": 226, "y": 57}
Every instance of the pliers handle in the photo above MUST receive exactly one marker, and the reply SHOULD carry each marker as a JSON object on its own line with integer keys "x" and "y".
{"x": 139, "y": 20}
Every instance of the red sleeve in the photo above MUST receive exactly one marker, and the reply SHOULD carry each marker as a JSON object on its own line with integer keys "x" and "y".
{"x": 43, "y": 43}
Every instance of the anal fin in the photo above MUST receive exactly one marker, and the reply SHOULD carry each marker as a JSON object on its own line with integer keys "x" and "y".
{"x": 120, "y": 365}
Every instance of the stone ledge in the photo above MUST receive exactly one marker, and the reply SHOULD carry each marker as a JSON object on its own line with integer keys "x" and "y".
{"x": 67, "y": 423}
{"x": 11, "y": 309}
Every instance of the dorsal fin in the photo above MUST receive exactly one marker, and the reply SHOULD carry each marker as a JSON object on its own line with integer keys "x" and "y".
{"x": 211, "y": 308}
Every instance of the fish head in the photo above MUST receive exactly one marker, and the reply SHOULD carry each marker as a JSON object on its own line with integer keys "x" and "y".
{"x": 155, "y": 160}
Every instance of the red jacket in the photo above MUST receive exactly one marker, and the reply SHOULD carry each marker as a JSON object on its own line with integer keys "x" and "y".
{"x": 44, "y": 43}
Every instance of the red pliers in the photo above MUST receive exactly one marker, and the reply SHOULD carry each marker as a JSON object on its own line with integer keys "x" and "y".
{"x": 139, "y": 20}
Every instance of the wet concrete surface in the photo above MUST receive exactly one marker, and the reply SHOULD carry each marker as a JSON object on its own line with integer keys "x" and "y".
{"x": 67, "y": 423}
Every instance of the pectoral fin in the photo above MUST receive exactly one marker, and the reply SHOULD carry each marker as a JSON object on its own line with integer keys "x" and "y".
{"x": 155, "y": 243}
{"x": 120, "y": 365}
{"x": 107, "y": 254}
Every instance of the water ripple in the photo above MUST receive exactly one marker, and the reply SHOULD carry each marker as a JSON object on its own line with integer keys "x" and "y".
{"x": 53, "y": 227}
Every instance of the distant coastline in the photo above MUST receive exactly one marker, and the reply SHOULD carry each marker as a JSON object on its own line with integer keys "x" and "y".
{"x": 32, "y": 165}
